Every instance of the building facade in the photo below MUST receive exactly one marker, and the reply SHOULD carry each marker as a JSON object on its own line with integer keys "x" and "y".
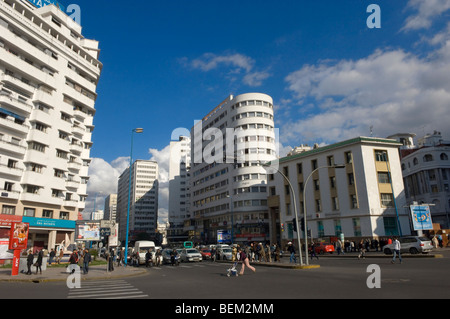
{"x": 110, "y": 208}
{"x": 179, "y": 191}
{"x": 426, "y": 175}
{"x": 364, "y": 198}
{"x": 143, "y": 214}
{"x": 48, "y": 78}
{"x": 228, "y": 183}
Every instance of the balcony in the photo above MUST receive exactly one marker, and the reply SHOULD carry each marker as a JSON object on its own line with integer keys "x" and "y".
{"x": 11, "y": 124}
{"x": 74, "y": 166}
{"x": 72, "y": 184}
{"x": 76, "y": 148}
{"x": 70, "y": 203}
{"x": 9, "y": 194}
{"x": 12, "y": 147}
{"x": 17, "y": 102}
{"x": 10, "y": 171}
{"x": 19, "y": 83}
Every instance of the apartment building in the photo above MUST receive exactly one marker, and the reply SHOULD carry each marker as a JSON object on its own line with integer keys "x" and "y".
{"x": 228, "y": 183}
{"x": 110, "y": 208}
{"x": 426, "y": 173}
{"x": 143, "y": 212}
{"x": 180, "y": 219}
{"x": 363, "y": 197}
{"x": 48, "y": 78}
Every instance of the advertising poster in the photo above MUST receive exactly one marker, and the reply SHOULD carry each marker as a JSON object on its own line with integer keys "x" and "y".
{"x": 18, "y": 238}
{"x": 88, "y": 231}
{"x": 421, "y": 217}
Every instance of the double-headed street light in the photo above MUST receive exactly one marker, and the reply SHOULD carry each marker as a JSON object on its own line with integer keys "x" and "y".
{"x": 136, "y": 130}
{"x": 305, "y": 229}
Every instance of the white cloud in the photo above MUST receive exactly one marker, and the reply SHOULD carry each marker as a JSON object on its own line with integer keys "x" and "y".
{"x": 391, "y": 90}
{"x": 238, "y": 64}
{"x": 103, "y": 181}
{"x": 427, "y": 11}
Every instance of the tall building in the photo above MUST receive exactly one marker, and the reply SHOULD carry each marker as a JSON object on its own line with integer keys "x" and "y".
{"x": 179, "y": 195}
{"x": 110, "y": 208}
{"x": 143, "y": 215}
{"x": 364, "y": 198}
{"x": 48, "y": 78}
{"x": 426, "y": 174}
{"x": 228, "y": 183}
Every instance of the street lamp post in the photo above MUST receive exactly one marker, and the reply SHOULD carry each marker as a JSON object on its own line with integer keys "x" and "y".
{"x": 137, "y": 130}
{"x": 304, "y": 205}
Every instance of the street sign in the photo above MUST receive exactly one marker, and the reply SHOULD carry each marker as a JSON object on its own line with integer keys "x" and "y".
{"x": 105, "y": 232}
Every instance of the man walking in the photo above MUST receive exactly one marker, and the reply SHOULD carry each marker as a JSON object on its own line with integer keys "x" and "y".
{"x": 397, "y": 248}
{"x": 291, "y": 249}
{"x": 86, "y": 260}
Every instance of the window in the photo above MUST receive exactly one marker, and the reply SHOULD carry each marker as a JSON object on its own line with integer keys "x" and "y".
{"x": 320, "y": 229}
{"x": 337, "y": 227}
{"x": 316, "y": 184}
{"x": 8, "y": 210}
{"x": 381, "y": 156}
{"x": 314, "y": 165}
{"x": 299, "y": 169}
{"x": 348, "y": 157}
{"x": 318, "y": 205}
{"x": 29, "y": 212}
{"x": 330, "y": 160}
{"x": 428, "y": 158}
{"x": 390, "y": 226}
{"x": 47, "y": 213}
{"x": 286, "y": 171}
{"x": 335, "y": 203}
{"x": 387, "y": 200}
{"x": 353, "y": 201}
{"x": 9, "y": 186}
{"x": 357, "y": 227}
{"x": 444, "y": 157}
{"x": 64, "y": 215}
{"x": 333, "y": 181}
{"x": 351, "y": 179}
{"x": 383, "y": 178}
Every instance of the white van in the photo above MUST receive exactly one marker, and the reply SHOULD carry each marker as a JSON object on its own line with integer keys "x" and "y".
{"x": 143, "y": 246}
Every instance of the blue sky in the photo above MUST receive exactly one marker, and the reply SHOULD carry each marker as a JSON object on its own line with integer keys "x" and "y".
{"x": 168, "y": 63}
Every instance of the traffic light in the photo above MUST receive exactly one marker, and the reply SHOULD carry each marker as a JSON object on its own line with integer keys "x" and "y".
{"x": 302, "y": 224}
{"x": 294, "y": 223}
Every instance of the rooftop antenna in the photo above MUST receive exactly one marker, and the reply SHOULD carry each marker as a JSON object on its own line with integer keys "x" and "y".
{"x": 371, "y": 131}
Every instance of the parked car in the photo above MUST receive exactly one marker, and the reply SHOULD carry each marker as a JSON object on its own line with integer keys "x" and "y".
{"x": 224, "y": 253}
{"x": 411, "y": 244}
{"x": 322, "y": 248}
{"x": 190, "y": 254}
{"x": 206, "y": 253}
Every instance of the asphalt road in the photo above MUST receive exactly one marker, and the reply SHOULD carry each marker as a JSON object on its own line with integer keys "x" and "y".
{"x": 337, "y": 278}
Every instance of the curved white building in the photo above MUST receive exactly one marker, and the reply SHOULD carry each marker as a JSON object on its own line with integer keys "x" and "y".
{"x": 228, "y": 184}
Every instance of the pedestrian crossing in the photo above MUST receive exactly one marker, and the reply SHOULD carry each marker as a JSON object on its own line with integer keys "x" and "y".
{"x": 106, "y": 289}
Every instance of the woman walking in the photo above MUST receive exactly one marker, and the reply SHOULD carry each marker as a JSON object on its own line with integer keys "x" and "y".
{"x": 243, "y": 257}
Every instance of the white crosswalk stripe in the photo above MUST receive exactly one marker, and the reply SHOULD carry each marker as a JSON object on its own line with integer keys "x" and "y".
{"x": 111, "y": 289}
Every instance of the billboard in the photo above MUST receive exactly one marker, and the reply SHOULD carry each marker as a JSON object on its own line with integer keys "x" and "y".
{"x": 18, "y": 238}
{"x": 421, "y": 217}
{"x": 223, "y": 237}
{"x": 87, "y": 231}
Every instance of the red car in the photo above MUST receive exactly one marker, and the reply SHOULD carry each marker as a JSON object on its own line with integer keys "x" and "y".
{"x": 206, "y": 253}
{"x": 322, "y": 248}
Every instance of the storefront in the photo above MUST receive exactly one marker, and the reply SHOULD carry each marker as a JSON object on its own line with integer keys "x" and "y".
{"x": 44, "y": 233}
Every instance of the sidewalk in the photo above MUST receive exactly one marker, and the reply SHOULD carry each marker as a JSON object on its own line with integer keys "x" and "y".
{"x": 54, "y": 273}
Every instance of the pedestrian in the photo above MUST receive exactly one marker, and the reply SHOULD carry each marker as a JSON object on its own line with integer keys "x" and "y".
{"x": 213, "y": 254}
{"x": 435, "y": 242}
{"x": 268, "y": 253}
{"x": 61, "y": 254}
{"x": 243, "y": 257}
{"x": 30, "y": 259}
{"x": 233, "y": 253}
{"x": 362, "y": 250}
{"x": 51, "y": 256}
{"x": 313, "y": 251}
{"x": 291, "y": 249}
{"x": 86, "y": 260}
{"x": 339, "y": 247}
{"x": 173, "y": 256}
{"x": 277, "y": 253}
{"x": 397, "y": 247}
{"x": 262, "y": 253}
{"x": 158, "y": 255}
{"x": 38, "y": 263}
{"x": 148, "y": 259}
{"x": 73, "y": 259}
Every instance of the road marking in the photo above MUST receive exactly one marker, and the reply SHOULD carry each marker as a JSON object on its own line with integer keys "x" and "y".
{"x": 110, "y": 289}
